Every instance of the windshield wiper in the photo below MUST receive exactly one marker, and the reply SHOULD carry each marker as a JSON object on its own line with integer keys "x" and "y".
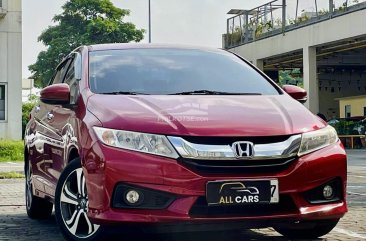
{"x": 124, "y": 93}
{"x": 212, "y": 92}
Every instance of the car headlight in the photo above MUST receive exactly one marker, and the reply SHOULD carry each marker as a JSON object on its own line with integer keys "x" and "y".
{"x": 136, "y": 141}
{"x": 315, "y": 140}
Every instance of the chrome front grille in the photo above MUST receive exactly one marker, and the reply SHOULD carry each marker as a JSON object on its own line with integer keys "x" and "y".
{"x": 227, "y": 151}
{"x": 217, "y": 154}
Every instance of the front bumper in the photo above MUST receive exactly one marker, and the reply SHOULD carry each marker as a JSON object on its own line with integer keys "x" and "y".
{"x": 106, "y": 167}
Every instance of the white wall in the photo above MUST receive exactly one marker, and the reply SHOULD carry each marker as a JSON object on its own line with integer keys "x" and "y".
{"x": 10, "y": 68}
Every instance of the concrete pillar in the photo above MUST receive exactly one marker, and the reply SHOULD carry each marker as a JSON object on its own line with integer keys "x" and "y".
{"x": 259, "y": 63}
{"x": 310, "y": 79}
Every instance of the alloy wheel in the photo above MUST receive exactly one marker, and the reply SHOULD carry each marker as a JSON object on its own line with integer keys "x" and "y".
{"x": 74, "y": 206}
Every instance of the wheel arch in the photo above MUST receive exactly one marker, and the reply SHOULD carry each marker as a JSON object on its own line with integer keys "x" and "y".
{"x": 73, "y": 154}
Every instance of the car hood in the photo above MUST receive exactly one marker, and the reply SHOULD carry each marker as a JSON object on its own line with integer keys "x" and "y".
{"x": 204, "y": 115}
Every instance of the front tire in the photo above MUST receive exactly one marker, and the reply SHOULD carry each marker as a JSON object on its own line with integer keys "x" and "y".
{"x": 37, "y": 208}
{"x": 307, "y": 230}
{"x": 71, "y": 206}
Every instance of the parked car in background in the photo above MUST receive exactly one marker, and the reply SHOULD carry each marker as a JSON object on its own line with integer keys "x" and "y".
{"x": 159, "y": 134}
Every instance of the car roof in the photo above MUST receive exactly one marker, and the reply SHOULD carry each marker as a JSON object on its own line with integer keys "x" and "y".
{"x": 122, "y": 46}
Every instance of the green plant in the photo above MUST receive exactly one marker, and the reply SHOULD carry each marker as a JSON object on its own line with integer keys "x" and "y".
{"x": 291, "y": 76}
{"x": 263, "y": 27}
{"x": 344, "y": 127}
{"x": 291, "y": 21}
{"x": 342, "y": 7}
{"x": 278, "y": 23}
{"x": 268, "y": 26}
{"x": 33, "y": 98}
{"x": 259, "y": 29}
{"x": 360, "y": 126}
{"x": 298, "y": 19}
{"x": 11, "y": 150}
{"x": 26, "y": 110}
{"x": 11, "y": 175}
{"x": 323, "y": 12}
{"x": 302, "y": 19}
{"x": 234, "y": 37}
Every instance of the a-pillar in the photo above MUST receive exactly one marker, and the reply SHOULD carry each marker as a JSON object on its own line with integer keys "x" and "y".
{"x": 310, "y": 79}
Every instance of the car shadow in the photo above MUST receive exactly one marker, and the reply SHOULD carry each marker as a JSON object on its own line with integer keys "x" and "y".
{"x": 243, "y": 235}
{"x": 21, "y": 227}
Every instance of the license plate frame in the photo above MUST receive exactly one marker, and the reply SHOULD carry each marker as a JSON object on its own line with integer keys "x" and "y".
{"x": 242, "y": 192}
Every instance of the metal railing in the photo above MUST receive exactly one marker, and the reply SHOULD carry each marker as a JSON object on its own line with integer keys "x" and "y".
{"x": 280, "y": 16}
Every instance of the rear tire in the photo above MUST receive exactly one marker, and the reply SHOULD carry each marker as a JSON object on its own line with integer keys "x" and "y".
{"x": 37, "y": 208}
{"x": 307, "y": 230}
{"x": 71, "y": 206}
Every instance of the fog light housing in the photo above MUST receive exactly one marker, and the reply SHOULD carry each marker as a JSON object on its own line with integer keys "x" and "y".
{"x": 328, "y": 192}
{"x": 135, "y": 197}
{"x": 331, "y": 191}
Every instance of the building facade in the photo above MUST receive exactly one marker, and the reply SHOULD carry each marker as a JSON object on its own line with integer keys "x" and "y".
{"x": 328, "y": 46}
{"x": 10, "y": 69}
{"x": 352, "y": 106}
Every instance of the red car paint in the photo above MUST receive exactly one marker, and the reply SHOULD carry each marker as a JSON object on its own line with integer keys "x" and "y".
{"x": 70, "y": 134}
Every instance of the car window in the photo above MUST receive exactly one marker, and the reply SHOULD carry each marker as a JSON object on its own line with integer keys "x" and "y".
{"x": 60, "y": 73}
{"x": 72, "y": 82}
{"x": 168, "y": 71}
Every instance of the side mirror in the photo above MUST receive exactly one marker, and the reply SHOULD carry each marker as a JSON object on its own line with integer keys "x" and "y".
{"x": 57, "y": 94}
{"x": 296, "y": 92}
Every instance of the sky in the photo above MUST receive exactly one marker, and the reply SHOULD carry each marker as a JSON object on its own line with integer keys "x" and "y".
{"x": 195, "y": 22}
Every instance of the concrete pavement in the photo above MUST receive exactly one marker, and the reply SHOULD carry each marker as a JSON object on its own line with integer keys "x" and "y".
{"x": 12, "y": 167}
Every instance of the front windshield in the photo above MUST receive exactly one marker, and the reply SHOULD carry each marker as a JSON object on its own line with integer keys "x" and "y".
{"x": 160, "y": 71}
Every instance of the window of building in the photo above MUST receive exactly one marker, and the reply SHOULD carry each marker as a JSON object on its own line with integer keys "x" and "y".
{"x": 2, "y": 102}
{"x": 364, "y": 111}
{"x": 347, "y": 111}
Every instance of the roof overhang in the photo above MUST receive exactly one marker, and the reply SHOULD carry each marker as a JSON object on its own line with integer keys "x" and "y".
{"x": 237, "y": 11}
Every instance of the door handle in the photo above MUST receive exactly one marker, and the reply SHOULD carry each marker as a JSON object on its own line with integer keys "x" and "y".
{"x": 50, "y": 116}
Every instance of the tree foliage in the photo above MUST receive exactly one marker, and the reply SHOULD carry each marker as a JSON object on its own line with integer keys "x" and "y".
{"x": 291, "y": 76}
{"x": 82, "y": 22}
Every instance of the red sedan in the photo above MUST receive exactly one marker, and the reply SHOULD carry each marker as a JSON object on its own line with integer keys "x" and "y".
{"x": 182, "y": 137}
